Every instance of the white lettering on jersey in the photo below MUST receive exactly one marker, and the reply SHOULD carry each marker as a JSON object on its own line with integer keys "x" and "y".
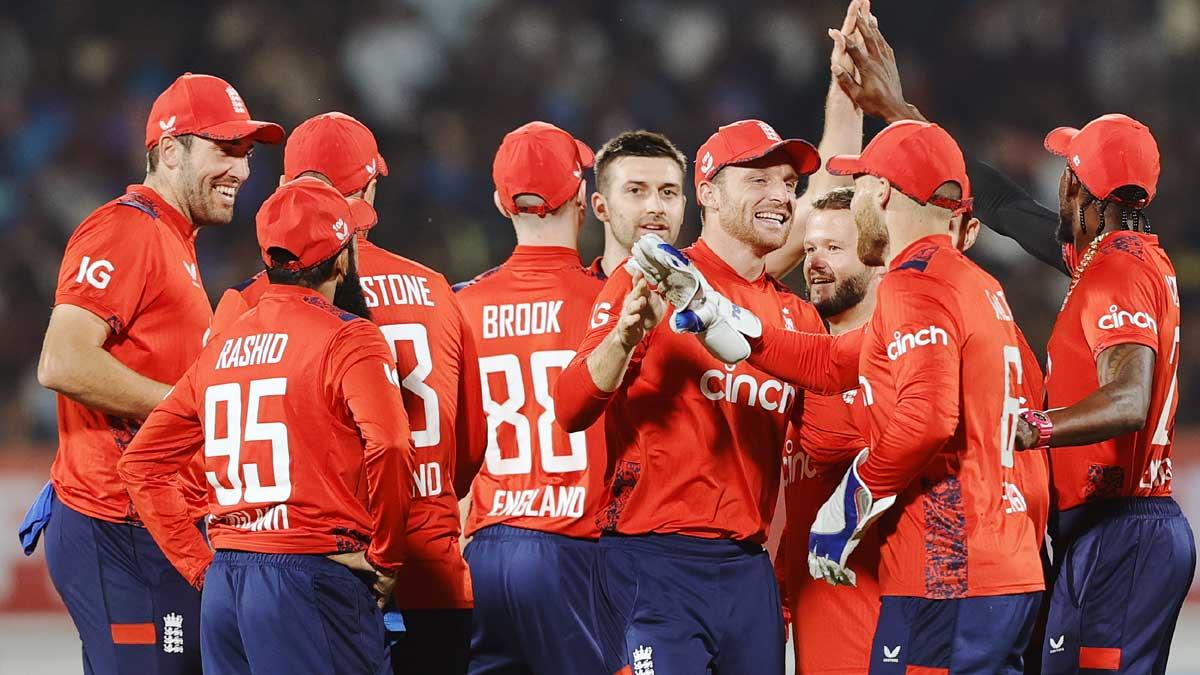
{"x": 1158, "y": 473}
{"x": 427, "y": 480}
{"x": 97, "y": 273}
{"x": 1118, "y": 318}
{"x": 999, "y": 305}
{"x": 525, "y": 318}
{"x": 793, "y": 461}
{"x": 745, "y": 389}
{"x": 271, "y": 518}
{"x": 551, "y": 501}
{"x": 909, "y": 341}
{"x": 395, "y": 289}
{"x": 1015, "y": 500}
{"x": 252, "y": 350}
{"x": 600, "y": 315}
{"x": 1173, "y": 287}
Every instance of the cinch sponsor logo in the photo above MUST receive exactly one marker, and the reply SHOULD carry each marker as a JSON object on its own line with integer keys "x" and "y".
{"x": 744, "y": 389}
{"x": 1119, "y": 318}
{"x": 525, "y": 318}
{"x": 548, "y": 502}
{"x": 903, "y": 343}
{"x": 796, "y": 465}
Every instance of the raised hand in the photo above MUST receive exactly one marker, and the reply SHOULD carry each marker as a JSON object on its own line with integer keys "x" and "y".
{"x": 877, "y": 89}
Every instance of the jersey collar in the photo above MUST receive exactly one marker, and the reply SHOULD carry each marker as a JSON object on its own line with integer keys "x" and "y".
{"x": 167, "y": 213}
{"x": 714, "y": 263}
{"x": 542, "y": 256}
{"x": 934, "y": 240}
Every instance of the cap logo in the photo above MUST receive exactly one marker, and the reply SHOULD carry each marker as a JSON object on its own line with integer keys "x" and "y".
{"x": 770, "y": 133}
{"x": 239, "y": 106}
{"x": 341, "y": 230}
{"x": 706, "y": 164}
{"x": 1075, "y": 160}
{"x": 167, "y": 124}
{"x": 370, "y": 168}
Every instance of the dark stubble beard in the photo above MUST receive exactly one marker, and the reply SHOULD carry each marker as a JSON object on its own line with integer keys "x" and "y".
{"x": 846, "y": 294}
{"x": 349, "y": 296}
{"x": 1065, "y": 234}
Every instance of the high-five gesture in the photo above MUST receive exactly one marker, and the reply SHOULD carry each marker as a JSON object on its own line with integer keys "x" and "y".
{"x": 877, "y": 90}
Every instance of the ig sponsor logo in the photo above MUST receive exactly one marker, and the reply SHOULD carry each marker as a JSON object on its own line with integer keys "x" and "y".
{"x": 97, "y": 273}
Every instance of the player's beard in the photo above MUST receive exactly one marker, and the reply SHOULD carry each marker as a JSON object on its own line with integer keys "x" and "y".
{"x": 1066, "y": 227}
{"x": 349, "y": 296}
{"x": 201, "y": 197}
{"x": 872, "y": 233}
{"x": 740, "y": 226}
{"x": 847, "y": 293}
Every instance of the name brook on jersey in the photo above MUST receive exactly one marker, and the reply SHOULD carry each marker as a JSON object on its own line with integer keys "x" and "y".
{"x": 525, "y": 318}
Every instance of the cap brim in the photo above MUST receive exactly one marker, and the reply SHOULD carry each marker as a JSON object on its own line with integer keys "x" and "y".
{"x": 381, "y": 169}
{"x": 363, "y": 214}
{"x": 845, "y": 165}
{"x": 261, "y": 132}
{"x": 804, "y": 157}
{"x": 586, "y": 157}
{"x": 1059, "y": 140}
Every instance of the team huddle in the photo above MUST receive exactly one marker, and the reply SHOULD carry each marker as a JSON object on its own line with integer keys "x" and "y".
{"x": 282, "y": 485}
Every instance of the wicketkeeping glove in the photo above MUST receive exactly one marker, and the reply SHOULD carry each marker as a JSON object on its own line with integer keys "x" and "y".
{"x": 720, "y": 325}
{"x": 840, "y": 524}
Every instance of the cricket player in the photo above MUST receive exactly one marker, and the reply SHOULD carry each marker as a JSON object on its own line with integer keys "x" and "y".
{"x": 940, "y": 368}
{"x": 435, "y": 356}
{"x": 639, "y": 190}
{"x": 130, "y": 316}
{"x": 695, "y": 441}
{"x": 296, "y": 408}
{"x": 1112, "y": 393}
{"x": 535, "y": 502}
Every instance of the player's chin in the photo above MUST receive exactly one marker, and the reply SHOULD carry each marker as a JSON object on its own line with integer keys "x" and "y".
{"x": 770, "y": 237}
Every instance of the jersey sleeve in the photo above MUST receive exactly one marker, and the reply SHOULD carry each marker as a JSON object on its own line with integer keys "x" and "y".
{"x": 108, "y": 268}
{"x": 363, "y": 375}
{"x": 1003, "y": 206}
{"x": 827, "y": 432}
{"x": 166, "y": 443}
{"x": 471, "y": 424}
{"x": 818, "y": 362}
{"x": 925, "y": 360}
{"x": 578, "y": 402}
{"x": 1119, "y": 303}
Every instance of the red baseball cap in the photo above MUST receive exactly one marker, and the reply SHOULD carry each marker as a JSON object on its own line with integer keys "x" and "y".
{"x": 338, "y": 146}
{"x": 311, "y": 220}
{"x": 1109, "y": 152}
{"x": 208, "y": 107}
{"x": 745, "y": 141}
{"x": 539, "y": 159}
{"x": 916, "y": 158}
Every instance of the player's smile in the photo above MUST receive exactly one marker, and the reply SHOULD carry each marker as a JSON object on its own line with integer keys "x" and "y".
{"x": 226, "y": 194}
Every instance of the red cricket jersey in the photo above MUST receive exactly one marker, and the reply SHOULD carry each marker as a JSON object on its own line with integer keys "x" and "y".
{"x": 305, "y": 440}
{"x": 1127, "y": 295}
{"x": 696, "y": 442}
{"x": 132, "y": 262}
{"x": 420, "y": 318}
{"x": 940, "y": 359}
{"x": 1032, "y": 466}
{"x": 832, "y": 626}
{"x": 527, "y": 317}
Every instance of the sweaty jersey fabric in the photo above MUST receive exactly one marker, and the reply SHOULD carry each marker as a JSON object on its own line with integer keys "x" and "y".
{"x": 132, "y": 263}
{"x": 305, "y": 441}
{"x": 1127, "y": 295}
{"x": 696, "y": 442}
{"x": 422, "y": 323}
{"x": 831, "y": 625}
{"x": 940, "y": 368}
{"x": 527, "y": 317}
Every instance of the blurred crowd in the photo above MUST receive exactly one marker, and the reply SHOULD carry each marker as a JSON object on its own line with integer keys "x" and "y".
{"x": 441, "y": 81}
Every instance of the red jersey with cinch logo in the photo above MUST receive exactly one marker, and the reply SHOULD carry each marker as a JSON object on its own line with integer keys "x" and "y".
{"x": 832, "y": 626}
{"x": 1128, "y": 294}
{"x": 528, "y": 317}
{"x": 421, "y": 321}
{"x": 696, "y": 442}
{"x": 940, "y": 369}
{"x": 296, "y": 411}
{"x": 132, "y": 263}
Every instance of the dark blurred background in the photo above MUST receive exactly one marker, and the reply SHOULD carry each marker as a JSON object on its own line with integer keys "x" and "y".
{"x": 441, "y": 81}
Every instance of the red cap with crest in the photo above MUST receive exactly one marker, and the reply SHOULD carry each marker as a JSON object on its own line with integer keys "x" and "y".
{"x": 542, "y": 160}
{"x": 339, "y": 147}
{"x": 1110, "y": 152}
{"x": 208, "y": 107}
{"x": 748, "y": 140}
{"x": 916, "y": 158}
{"x": 310, "y": 220}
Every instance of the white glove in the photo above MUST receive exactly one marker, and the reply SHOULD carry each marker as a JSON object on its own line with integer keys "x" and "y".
{"x": 720, "y": 325}
{"x": 840, "y": 524}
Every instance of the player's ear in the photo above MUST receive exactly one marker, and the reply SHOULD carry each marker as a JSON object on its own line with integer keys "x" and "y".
{"x": 369, "y": 192}
{"x": 971, "y": 233}
{"x": 282, "y": 180}
{"x": 600, "y": 207}
{"x": 170, "y": 151}
{"x": 499, "y": 206}
{"x": 706, "y": 192}
{"x": 885, "y": 193}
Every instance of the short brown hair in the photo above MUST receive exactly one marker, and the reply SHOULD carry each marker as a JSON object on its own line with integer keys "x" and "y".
{"x": 837, "y": 199}
{"x": 152, "y": 154}
{"x": 639, "y": 143}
